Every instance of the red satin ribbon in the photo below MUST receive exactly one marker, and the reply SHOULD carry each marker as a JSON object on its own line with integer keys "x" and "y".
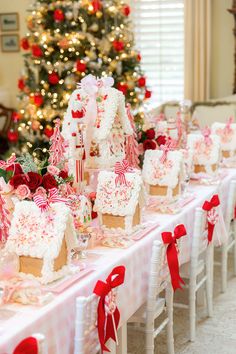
{"x": 27, "y": 346}
{"x": 104, "y": 321}
{"x": 207, "y": 206}
{"x": 172, "y": 254}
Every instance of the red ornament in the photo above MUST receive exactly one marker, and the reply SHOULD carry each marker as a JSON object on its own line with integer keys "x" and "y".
{"x": 97, "y": 5}
{"x": 12, "y": 136}
{"x": 53, "y": 78}
{"x": 148, "y": 94}
{"x": 15, "y": 117}
{"x": 48, "y": 131}
{"x": 36, "y": 51}
{"x": 21, "y": 84}
{"x": 118, "y": 45}
{"x": 58, "y": 15}
{"x": 80, "y": 66}
{"x": 126, "y": 10}
{"x": 142, "y": 81}
{"x": 24, "y": 43}
{"x": 38, "y": 99}
{"x": 139, "y": 58}
{"x": 122, "y": 87}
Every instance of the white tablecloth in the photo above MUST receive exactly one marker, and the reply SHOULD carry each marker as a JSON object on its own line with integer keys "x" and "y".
{"x": 57, "y": 319}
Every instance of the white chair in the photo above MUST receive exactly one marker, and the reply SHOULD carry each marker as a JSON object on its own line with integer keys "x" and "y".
{"x": 199, "y": 271}
{"x": 145, "y": 317}
{"x": 231, "y": 244}
{"x": 41, "y": 341}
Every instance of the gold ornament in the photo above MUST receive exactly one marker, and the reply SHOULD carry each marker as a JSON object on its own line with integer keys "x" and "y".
{"x": 46, "y": 86}
{"x": 98, "y": 14}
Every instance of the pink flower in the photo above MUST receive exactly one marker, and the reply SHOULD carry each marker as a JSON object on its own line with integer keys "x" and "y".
{"x": 53, "y": 170}
{"x": 22, "y": 192}
{"x": 41, "y": 191}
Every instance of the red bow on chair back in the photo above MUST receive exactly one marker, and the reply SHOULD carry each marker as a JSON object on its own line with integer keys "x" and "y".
{"x": 44, "y": 204}
{"x": 120, "y": 169}
{"x": 212, "y": 215}
{"x": 172, "y": 254}
{"x": 108, "y": 313}
{"x": 27, "y": 346}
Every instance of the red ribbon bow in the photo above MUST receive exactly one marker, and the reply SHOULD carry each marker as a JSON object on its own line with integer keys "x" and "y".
{"x": 209, "y": 208}
{"x": 172, "y": 254}
{"x": 44, "y": 204}
{"x": 120, "y": 169}
{"x": 27, "y": 346}
{"x": 9, "y": 162}
{"x": 105, "y": 322}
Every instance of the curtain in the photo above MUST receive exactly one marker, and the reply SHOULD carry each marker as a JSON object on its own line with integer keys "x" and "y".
{"x": 197, "y": 49}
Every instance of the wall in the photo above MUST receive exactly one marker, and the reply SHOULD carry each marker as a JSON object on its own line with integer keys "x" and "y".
{"x": 222, "y": 56}
{"x": 12, "y": 63}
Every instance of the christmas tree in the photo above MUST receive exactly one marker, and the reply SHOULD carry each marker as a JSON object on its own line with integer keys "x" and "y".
{"x": 67, "y": 40}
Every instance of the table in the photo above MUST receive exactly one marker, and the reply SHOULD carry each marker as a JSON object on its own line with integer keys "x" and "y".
{"x": 56, "y": 319}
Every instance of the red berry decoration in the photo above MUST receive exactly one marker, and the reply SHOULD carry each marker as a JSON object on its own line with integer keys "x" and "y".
{"x": 118, "y": 45}
{"x": 148, "y": 94}
{"x": 139, "y": 58}
{"x": 122, "y": 87}
{"x": 53, "y": 78}
{"x": 126, "y": 10}
{"x": 142, "y": 81}
{"x": 15, "y": 117}
{"x": 36, "y": 51}
{"x": 48, "y": 131}
{"x": 21, "y": 84}
{"x": 12, "y": 136}
{"x": 38, "y": 99}
{"x": 97, "y": 5}
{"x": 58, "y": 15}
{"x": 80, "y": 66}
{"x": 24, "y": 43}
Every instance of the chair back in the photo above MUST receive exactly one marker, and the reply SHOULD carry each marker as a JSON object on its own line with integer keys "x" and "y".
{"x": 231, "y": 203}
{"x": 199, "y": 239}
{"x": 5, "y": 119}
{"x": 86, "y": 337}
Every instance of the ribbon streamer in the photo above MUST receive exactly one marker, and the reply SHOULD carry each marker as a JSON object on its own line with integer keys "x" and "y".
{"x": 120, "y": 169}
{"x": 107, "y": 311}
{"x": 212, "y": 215}
{"x": 27, "y": 346}
{"x": 44, "y": 204}
{"x": 172, "y": 254}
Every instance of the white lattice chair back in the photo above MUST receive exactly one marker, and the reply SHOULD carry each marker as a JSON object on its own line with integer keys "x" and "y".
{"x": 231, "y": 203}
{"x": 200, "y": 232}
{"x": 86, "y": 337}
{"x": 158, "y": 271}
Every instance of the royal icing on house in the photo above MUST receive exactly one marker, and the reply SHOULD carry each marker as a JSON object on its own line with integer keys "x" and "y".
{"x": 42, "y": 240}
{"x": 227, "y": 135}
{"x": 99, "y": 110}
{"x": 206, "y": 151}
{"x": 162, "y": 172}
{"x": 119, "y": 199}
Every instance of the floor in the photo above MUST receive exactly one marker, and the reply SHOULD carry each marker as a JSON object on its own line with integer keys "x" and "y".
{"x": 215, "y": 335}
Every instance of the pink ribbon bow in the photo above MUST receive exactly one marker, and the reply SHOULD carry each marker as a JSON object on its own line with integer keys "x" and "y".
{"x": 120, "y": 169}
{"x": 227, "y": 127}
{"x": 206, "y": 132}
{"x": 165, "y": 148}
{"x": 44, "y": 204}
{"x": 9, "y": 162}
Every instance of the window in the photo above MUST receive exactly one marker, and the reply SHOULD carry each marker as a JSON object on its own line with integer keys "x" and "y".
{"x": 159, "y": 35}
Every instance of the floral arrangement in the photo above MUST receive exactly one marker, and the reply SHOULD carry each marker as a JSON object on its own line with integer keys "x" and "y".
{"x": 150, "y": 140}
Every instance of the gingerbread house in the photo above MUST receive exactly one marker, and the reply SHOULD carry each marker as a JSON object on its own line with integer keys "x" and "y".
{"x": 99, "y": 110}
{"x": 119, "y": 204}
{"x": 162, "y": 173}
{"x": 206, "y": 152}
{"x": 227, "y": 135}
{"x": 42, "y": 240}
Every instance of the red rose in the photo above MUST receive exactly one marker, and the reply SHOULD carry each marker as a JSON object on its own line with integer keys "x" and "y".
{"x": 122, "y": 87}
{"x": 16, "y": 167}
{"x": 49, "y": 181}
{"x": 149, "y": 145}
{"x": 80, "y": 66}
{"x": 161, "y": 140}
{"x": 148, "y": 94}
{"x": 126, "y": 10}
{"x": 38, "y": 99}
{"x": 118, "y": 45}
{"x": 21, "y": 84}
{"x": 36, "y": 51}
{"x": 48, "y": 131}
{"x": 24, "y": 43}
{"x": 150, "y": 133}
{"x": 58, "y": 15}
{"x": 34, "y": 180}
{"x": 63, "y": 174}
{"x": 142, "y": 81}
{"x": 17, "y": 180}
{"x": 53, "y": 78}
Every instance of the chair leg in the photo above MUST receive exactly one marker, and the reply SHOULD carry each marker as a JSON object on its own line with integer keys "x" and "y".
{"x": 224, "y": 264}
{"x": 234, "y": 236}
{"x": 170, "y": 334}
{"x": 149, "y": 341}
{"x": 122, "y": 338}
{"x": 209, "y": 280}
{"x": 192, "y": 309}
